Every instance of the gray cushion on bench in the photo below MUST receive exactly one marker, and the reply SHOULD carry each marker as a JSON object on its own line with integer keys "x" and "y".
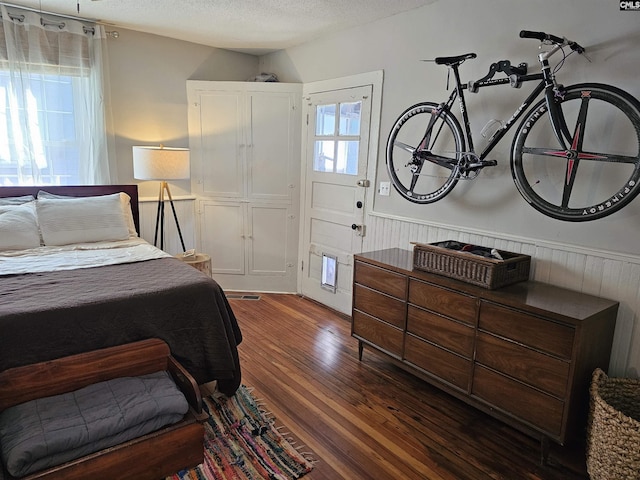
{"x": 53, "y": 430}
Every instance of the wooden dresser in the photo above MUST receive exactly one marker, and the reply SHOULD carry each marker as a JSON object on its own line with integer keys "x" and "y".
{"x": 524, "y": 353}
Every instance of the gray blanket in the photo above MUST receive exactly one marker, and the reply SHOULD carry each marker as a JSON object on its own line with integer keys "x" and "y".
{"x": 53, "y": 430}
{"x": 51, "y": 315}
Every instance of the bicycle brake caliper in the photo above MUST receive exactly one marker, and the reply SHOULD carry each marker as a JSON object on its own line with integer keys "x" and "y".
{"x": 559, "y": 92}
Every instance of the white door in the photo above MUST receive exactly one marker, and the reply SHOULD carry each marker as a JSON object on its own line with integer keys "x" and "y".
{"x": 336, "y": 152}
{"x": 218, "y": 147}
{"x": 222, "y": 236}
{"x": 273, "y": 157}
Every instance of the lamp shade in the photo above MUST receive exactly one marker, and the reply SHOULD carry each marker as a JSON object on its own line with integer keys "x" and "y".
{"x": 160, "y": 163}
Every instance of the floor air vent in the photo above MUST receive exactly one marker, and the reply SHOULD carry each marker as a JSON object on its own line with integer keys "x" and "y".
{"x": 243, "y": 297}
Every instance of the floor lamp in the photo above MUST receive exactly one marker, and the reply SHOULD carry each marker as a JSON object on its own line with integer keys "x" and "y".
{"x": 162, "y": 163}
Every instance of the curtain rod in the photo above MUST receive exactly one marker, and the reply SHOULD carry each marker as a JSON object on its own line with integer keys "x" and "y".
{"x": 31, "y": 9}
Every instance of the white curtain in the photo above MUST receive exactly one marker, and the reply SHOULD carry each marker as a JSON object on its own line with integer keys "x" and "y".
{"x": 52, "y": 102}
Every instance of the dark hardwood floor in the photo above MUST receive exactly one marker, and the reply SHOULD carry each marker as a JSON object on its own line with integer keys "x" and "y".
{"x": 370, "y": 419}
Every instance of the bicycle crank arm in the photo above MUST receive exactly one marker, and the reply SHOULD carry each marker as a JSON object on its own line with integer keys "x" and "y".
{"x": 480, "y": 164}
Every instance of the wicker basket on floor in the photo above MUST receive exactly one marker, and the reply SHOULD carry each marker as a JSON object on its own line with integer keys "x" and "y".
{"x": 613, "y": 443}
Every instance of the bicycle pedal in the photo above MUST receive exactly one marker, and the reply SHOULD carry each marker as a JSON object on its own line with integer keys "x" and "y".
{"x": 489, "y": 163}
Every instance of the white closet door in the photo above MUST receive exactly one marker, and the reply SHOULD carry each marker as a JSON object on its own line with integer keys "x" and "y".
{"x": 269, "y": 226}
{"x": 222, "y": 235}
{"x": 270, "y": 153}
{"x": 222, "y": 145}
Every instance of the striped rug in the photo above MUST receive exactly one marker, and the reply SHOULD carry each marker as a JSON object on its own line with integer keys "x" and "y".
{"x": 242, "y": 442}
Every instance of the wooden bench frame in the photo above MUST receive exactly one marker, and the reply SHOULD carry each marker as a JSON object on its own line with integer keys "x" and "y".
{"x": 152, "y": 456}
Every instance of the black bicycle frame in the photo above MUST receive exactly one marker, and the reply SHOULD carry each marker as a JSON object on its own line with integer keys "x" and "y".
{"x": 546, "y": 83}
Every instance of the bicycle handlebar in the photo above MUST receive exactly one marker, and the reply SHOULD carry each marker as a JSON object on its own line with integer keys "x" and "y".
{"x": 542, "y": 36}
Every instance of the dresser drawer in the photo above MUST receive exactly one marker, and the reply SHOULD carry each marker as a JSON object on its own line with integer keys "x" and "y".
{"x": 452, "y": 335}
{"x": 380, "y": 279}
{"x": 381, "y": 334}
{"x": 530, "y": 330}
{"x": 540, "y": 410}
{"x": 445, "y": 365}
{"x": 440, "y": 300}
{"x": 379, "y": 305}
{"x": 529, "y": 366}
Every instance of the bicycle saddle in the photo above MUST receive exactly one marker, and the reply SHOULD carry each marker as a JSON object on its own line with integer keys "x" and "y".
{"x": 456, "y": 60}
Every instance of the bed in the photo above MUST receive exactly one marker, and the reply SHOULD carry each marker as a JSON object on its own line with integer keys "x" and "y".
{"x": 55, "y": 301}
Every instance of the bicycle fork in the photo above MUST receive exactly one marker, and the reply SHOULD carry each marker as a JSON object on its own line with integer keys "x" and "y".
{"x": 552, "y": 93}
{"x": 570, "y": 143}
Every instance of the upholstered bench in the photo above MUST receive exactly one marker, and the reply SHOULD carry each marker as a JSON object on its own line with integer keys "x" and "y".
{"x": 121, "y": 412}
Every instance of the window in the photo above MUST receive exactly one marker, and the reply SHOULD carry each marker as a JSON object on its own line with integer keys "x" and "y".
{"x": 52, "y": 123}
{"x": 55, "y": 149}
{"x": 337, "y": 138}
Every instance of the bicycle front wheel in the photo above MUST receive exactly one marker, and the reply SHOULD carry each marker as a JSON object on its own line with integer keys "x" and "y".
{"x": 423, "y": 153}
{"x": 598, "y": 172}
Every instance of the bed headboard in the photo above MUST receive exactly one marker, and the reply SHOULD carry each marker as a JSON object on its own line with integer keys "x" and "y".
{"x": 80, "y": 191}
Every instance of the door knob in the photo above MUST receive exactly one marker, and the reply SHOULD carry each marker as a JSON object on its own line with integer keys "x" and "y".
{"x": 359, "y": 204}
{"x": 359, "y": 229}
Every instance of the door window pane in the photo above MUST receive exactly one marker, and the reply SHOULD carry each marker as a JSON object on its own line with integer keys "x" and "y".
{"x": 350, "y": 118}
{"x": 325, "y": 120}
{"x": 324, "y": 156}
{"x": 347, "y": 157}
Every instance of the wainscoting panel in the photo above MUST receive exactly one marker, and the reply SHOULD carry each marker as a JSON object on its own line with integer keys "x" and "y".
{"x": 597, "y": 272}
{"x": 185, "y": 210}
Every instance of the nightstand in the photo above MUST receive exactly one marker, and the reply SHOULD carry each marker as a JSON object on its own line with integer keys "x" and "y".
{"x": 199, "y": 261}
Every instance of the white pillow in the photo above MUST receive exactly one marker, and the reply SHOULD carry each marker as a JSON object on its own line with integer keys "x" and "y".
{"x": 126, "y": 208}
{"x": 18, "y": 227}
{"x": 16, "y": 200}
{"x": 81, "y": 220}
{"x": 124, "y": 198}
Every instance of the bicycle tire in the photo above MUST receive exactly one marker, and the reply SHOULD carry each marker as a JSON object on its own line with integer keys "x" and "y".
{"x": 415, "y": 178}
{"x": 600, "y": 173}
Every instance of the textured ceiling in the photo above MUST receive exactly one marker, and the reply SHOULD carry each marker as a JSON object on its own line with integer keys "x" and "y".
{"x": 253, "y": 26}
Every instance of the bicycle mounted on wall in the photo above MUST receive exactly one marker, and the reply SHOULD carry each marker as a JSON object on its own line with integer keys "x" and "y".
{"x": 584, "y": 173}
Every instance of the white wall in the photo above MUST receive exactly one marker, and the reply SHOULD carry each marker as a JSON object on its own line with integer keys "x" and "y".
{"x": 600, "y": 257}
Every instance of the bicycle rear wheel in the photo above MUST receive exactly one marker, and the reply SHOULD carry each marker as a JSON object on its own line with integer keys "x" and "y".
{"x": 423, "y": 153}
{"x": 598, "y": 173}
